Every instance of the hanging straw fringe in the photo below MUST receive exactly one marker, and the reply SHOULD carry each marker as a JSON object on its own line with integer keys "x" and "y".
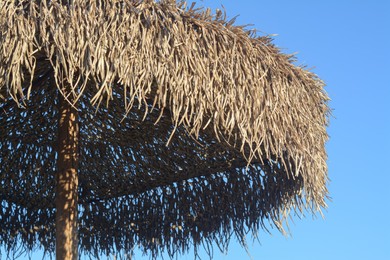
{"x": 210, "y": 76}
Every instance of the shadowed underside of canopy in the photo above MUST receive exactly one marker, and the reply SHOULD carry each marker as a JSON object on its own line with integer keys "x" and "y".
{"x": 190, "y": 128}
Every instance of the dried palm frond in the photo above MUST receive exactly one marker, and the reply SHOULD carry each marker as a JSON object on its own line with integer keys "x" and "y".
{"x": 191, "y": 128}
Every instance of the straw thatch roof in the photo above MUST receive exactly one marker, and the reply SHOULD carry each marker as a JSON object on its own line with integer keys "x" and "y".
{"x": 191, "y": 128}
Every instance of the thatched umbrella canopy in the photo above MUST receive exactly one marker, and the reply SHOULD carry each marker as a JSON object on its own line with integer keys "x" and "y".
{"x": 152, "y": 124}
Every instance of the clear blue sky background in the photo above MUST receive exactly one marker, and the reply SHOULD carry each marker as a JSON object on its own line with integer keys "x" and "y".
{"x": 348, "y": 44}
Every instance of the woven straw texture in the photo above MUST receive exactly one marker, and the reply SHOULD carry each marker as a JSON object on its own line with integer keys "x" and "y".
{"x": 192, "y": 129}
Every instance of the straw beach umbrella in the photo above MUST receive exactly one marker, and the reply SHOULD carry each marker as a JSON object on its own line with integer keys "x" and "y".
{"x": 149, "y": 124}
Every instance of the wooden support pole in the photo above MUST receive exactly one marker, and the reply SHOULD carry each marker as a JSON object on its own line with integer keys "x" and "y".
{"x": 67, "y": 182}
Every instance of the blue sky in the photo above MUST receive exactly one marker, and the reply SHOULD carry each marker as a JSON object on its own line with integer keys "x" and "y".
{"x": 347, "y": 44}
